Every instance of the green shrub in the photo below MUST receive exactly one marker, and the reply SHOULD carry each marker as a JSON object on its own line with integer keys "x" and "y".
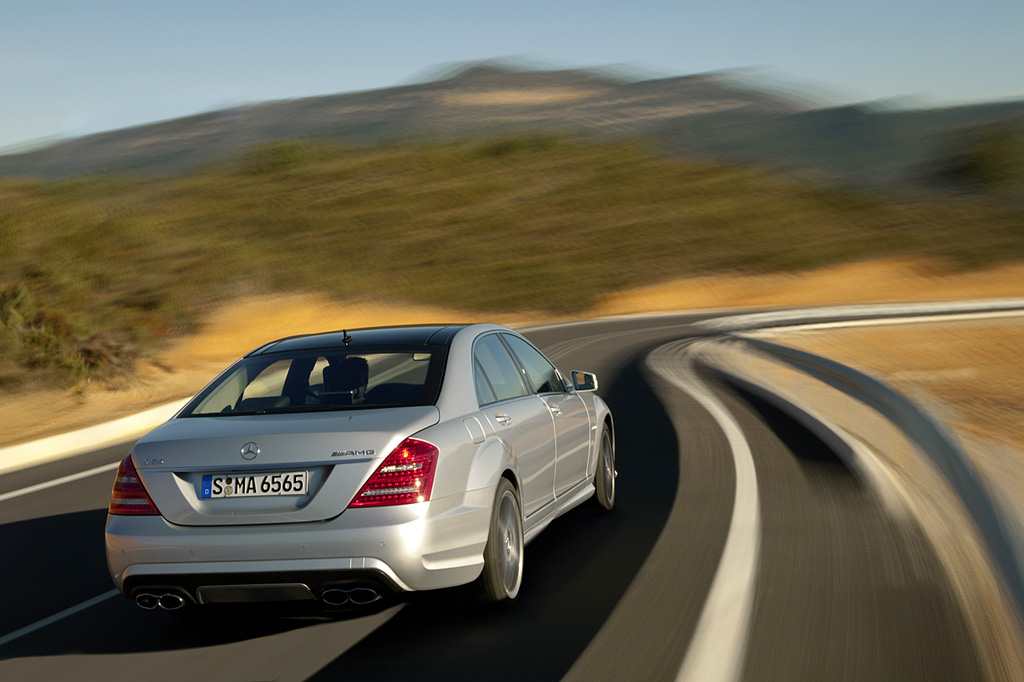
{"x": 276, "y": 157}
{"x": 101, "y": 270}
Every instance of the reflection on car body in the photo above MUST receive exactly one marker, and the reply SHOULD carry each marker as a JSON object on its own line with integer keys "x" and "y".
{"x": 339, "y": 468}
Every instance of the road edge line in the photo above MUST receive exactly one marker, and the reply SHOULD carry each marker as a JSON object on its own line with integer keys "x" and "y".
{"x": 50, "y": 620}
{"x": 51, "y": 448}
{"x": 717, "y": 650}
{"x": 58, "y": 481}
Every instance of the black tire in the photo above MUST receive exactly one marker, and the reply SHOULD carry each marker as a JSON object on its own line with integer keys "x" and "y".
{"x": 604, "y": 479}
{"x": 503, "y": 555}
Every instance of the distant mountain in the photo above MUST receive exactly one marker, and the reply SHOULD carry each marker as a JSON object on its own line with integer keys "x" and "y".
{"x": 478, "y": 98}
{"x": 860, "y": 145}
{"x": 705, "y": 115}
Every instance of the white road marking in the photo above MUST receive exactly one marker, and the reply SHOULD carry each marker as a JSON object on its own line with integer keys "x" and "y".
{"x": 28, "y": 629}
{"x": 881, "y": 322}
{"x": 83, "y": 440}
{"x": 58, "y": 481}
{"x": 949, "y": 310}
{"x": 718, "y": 648}
{"x": 654, "y": 314}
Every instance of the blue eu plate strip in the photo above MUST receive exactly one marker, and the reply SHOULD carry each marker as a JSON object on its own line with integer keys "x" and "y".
{"x": 207, "y": 482}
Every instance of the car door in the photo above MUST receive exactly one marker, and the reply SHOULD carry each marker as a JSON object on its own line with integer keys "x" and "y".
{"x": 569, "y": 413}
{"x": 521, "y": 419}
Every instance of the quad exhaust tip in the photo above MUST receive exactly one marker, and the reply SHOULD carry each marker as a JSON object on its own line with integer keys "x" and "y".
{"x": 358, "y": 596}
{"x": 168, "y": 601}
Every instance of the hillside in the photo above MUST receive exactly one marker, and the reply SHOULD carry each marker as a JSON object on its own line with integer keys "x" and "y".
{"x": 714, "y": 116}
{"x": 481, "y": 98}
{"x": 855, "y": 145}
{"x": 96, "y": 272}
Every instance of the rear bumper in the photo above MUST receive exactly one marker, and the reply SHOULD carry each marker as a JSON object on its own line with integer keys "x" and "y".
{"x": 423, "y": 546}
{"x": 225, "y": 584}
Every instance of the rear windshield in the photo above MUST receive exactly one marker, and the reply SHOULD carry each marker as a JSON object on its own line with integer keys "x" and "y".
{"x": 322, "y": 380}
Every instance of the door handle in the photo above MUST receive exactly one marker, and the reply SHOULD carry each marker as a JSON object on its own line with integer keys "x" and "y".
{"x": 502, "y": 418}
{"x": 555, "y": 410}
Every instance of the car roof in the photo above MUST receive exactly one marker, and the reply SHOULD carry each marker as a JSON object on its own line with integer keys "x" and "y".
{"x": 411, "y": 335}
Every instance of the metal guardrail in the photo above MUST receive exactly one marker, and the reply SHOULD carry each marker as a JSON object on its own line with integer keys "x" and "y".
{"x": 931, "y": 438}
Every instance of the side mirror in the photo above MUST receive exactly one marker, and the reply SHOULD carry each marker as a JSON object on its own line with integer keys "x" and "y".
{"x": 583, "y": 381}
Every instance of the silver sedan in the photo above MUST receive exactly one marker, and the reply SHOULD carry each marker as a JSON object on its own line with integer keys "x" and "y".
{"x": 337, "y": 469}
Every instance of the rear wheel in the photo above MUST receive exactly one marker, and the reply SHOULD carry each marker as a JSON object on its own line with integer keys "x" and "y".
{"x": 604, "y": 480}
{"x": 503, "y": 554}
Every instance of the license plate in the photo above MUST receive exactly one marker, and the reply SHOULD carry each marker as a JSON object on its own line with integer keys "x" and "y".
{"x": 255, "y": 485}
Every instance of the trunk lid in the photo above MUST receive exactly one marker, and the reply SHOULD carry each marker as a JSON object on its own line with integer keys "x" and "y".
{"x": 337, "y": 451}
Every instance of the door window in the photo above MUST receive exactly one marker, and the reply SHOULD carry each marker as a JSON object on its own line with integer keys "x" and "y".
{"x": 498, "y": 369}
{"x": 540, "y": 374}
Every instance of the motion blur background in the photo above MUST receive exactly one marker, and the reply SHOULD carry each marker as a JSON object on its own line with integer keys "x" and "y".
{"x": 181, "y": 182}
{"x": 118, "y": 232}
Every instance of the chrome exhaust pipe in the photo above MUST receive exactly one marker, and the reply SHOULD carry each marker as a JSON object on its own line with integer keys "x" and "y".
{"x": 168, "y": 601}
{"x": 358, "y": 596}
{"x": 334, "y": 597}
{"x": 363, "y": 595}
{"x": 171, "y": 601}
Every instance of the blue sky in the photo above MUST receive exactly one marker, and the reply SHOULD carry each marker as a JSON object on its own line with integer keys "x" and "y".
{"x": 69, "y": 68}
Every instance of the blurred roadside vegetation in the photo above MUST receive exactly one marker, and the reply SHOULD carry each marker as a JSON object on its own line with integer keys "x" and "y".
{"x": 985, "y": 158}
{"x": 97, "y": 270}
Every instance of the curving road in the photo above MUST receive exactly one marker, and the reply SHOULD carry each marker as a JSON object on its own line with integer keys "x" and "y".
{"x": 802, "y": 576}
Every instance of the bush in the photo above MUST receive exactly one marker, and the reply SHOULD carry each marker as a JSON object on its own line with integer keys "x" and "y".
{"x": 100, "y": 270}
{"x": 277, "y": 157}
{"x": 983, "y": 158}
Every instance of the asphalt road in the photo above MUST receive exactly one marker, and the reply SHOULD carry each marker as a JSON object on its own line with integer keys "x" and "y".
{"x": 838, "y": 589}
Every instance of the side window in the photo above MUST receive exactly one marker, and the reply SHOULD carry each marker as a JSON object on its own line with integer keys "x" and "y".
{"x": 270, "y": 382}
{"x": 266, "y": 390}
{"x": 498, "y": 369}
{"x": 224, "y": 397}
{"x": 540, "y": 373}
{"x": 484, "y": 394}
{"x": 316, "y": 375}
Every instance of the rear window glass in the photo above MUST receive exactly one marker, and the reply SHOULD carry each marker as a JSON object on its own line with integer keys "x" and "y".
{"x": 310, "y": 381}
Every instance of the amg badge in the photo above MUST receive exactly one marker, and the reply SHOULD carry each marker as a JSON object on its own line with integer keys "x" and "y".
{"x": 352, "y": 453}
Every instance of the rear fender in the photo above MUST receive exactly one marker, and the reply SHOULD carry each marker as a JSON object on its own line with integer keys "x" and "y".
{"x": 464, "y": 465}
{"x": 492, "y": 461}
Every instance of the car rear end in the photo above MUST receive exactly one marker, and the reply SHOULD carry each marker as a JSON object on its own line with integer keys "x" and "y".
{"x": 302, "y": 474}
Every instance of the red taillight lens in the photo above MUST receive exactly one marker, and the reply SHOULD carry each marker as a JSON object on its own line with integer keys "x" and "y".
{"x": 404, "y": 477}
{"x": 129, "y": 495}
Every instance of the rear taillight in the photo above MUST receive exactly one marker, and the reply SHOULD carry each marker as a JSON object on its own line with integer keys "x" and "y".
{"x": 129, "y": 495}
{"x": 404, "y": 477}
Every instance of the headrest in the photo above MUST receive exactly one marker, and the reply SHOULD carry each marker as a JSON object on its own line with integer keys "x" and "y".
{"x": 351, "y": 375}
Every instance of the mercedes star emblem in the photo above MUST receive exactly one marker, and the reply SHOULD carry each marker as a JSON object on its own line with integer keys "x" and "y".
{"x": 250, "y": 450}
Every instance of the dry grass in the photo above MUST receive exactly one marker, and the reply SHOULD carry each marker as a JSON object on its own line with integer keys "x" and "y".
{"x": 973, "y": 371}
{"x": 191, "y": 362}
{"x": 520, "y": 97}
{"x": 887, "y": 280}
{"x": 233, "y": 329}
{"x": 98, "y": 272}
{"x": 970, "y": 374}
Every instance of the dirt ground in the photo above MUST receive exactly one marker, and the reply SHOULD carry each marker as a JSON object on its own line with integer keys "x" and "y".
{"x": 189, "y": 363}
{"x": 972, "y": 371}
{"x": 970, "y": 374}
{"x": 888, "y": 281}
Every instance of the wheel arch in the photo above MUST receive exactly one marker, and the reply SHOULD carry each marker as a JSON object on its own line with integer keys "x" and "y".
{"x": 512, "y": 478}
{"x": 604, "y": 420}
